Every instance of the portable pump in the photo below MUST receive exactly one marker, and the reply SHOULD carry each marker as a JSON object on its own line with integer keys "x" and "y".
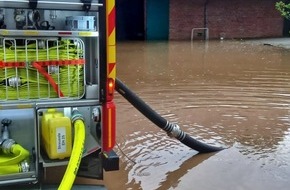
{"x": 57, "y": 79}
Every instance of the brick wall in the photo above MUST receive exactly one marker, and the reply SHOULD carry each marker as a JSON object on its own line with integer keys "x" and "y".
{"x": 228, "y": 18}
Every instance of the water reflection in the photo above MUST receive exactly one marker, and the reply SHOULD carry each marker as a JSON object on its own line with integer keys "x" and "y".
{"x": 232, "y": 93}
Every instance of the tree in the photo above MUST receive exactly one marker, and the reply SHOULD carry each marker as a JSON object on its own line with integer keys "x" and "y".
{"x": 283, "y": 8}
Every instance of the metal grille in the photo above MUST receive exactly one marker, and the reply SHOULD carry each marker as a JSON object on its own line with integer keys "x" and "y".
{"x": 46, "y": 68}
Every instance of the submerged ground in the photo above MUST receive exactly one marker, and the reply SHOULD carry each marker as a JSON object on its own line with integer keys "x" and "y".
{"x": 225, "y": 93}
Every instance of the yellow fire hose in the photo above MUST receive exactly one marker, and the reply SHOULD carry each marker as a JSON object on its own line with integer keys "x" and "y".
{"x": 14, "y": 168}
{"x": 12, "y": 155}
{"x": 10, "y": 169}
{"x": 13, "y": 158}
{"x": 17, "y": 154}
{"x": 76, "y": 155}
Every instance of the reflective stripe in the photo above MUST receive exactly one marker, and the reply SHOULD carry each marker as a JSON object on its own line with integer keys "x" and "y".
{"x": 31, "y": 33}
{"x": 111, "y": 39}
{"x": 110, "y": 128}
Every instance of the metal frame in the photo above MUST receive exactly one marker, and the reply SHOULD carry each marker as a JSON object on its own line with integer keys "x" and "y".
{"x": 52, "y": 5}
{"x": 18, "y": 89}
{"x": 206, "y": 32}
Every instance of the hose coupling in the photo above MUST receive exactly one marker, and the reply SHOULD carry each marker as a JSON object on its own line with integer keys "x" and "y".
{"x": 175, "y": 131}
{"x": 76, "y": 115}
{"x": 13, "y": 82}
{"x": 7, "y": 145}
{"x": 24, "y": 166}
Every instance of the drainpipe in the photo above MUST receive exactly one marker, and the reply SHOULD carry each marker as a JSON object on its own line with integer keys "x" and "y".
{"x": 205, "y": 19}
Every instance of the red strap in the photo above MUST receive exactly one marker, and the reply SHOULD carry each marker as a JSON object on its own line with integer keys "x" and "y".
{"x": 48, "y": 77}
{"x": 44, "y": 63}
{"x": 61, "y": 62}
{"x": 12, "y": 64}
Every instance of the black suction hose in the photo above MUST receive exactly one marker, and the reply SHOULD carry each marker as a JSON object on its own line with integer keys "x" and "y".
{"x": 171, "y": 128}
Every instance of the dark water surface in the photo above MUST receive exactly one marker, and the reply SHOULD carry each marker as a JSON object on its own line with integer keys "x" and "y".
{"x": 231, "y": 93}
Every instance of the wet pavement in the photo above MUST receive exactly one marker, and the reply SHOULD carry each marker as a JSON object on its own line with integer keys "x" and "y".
{"x": 233, "y": 94}
{"x": 277, "y": 42}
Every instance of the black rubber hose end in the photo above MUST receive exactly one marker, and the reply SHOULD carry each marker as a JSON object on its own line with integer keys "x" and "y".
{"x": 199, "y": 146}
{"x": 158, "y": 120}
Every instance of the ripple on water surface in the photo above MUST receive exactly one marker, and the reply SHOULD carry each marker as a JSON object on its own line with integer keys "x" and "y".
{"x": 232, "y": 94}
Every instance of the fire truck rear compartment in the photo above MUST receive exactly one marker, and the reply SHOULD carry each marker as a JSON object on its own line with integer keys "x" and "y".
{"x": 50, "y": 60}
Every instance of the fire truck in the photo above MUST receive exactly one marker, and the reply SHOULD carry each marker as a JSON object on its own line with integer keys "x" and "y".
{"x": 57, "y": 81}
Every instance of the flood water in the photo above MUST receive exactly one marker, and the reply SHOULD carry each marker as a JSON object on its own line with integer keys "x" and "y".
{"x": 234, "y": 94}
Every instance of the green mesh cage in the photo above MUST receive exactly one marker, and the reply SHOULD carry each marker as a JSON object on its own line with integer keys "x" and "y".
{"x": 60, "y": 72}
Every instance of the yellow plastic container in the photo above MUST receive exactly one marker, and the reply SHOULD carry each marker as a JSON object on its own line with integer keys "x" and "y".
{"x": 56, "y": 134}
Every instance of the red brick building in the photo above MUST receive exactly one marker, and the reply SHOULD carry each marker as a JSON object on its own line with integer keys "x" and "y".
{"x": 228, "y": 18}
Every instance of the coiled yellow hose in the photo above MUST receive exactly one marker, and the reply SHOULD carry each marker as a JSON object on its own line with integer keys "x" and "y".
{"x": 10, "y": 162}
{"x": 18, "y": 154}
{"x": 75, "y": 158}
{"x": 70, "y": 78}
{"x": 15, "y": 168}
{"x": 10, "y": 169}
